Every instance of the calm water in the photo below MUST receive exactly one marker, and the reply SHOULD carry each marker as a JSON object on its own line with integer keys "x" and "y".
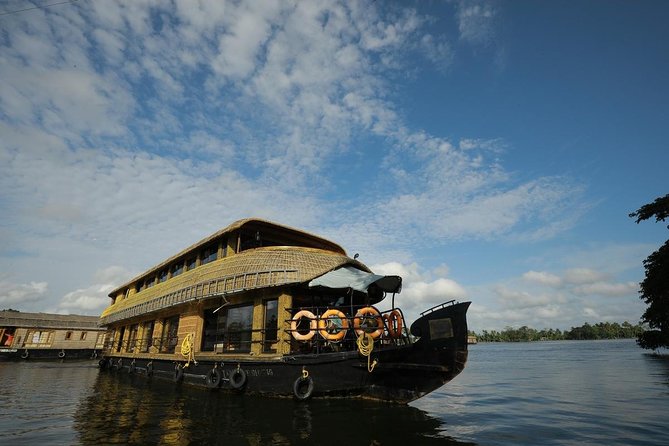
{"x": 603, "y": 392}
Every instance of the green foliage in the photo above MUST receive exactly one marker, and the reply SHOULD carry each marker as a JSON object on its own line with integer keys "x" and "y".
{"x": 602, "y": 330}
{"x": 658, "y": 208}
{"x": 655, "y": 287}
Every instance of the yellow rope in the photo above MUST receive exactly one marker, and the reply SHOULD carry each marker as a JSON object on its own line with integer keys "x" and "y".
{"x": 187, "y": 349}
{"x": 365, "y": 346}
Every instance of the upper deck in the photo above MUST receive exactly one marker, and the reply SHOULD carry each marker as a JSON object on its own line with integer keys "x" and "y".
{"x": 250, "y": 253}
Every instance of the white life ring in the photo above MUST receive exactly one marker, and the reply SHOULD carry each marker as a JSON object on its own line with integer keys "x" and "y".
{"x": 312, "y": 325}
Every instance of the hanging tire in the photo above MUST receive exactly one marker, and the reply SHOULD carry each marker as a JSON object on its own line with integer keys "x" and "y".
{"x": 214, "y": 378}
{"x": 149, "y": 369}
{"x": 102, "y": 364}
{"x": 238, "y": 379}
{"x": 119, "y": 365}
{"x": 178, "y": 373}
{"x": 303, "y": 388}
{"x": 61, "y": 354}
{"x": 25, "y": 354}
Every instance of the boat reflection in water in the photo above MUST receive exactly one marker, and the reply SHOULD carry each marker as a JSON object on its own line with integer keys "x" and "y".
{"x": 128, "y": 409}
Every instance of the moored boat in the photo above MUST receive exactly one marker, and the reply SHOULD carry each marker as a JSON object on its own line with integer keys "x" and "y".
{"x": 263, "y": 308}
{"x": 43, "y": 336}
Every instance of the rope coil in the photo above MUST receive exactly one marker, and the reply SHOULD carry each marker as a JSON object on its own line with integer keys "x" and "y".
{"x": 187, "y": 349}
{"x": 365, "y": 344}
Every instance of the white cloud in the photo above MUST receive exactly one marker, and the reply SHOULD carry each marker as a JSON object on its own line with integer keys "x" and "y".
{"x": 626, "y": 289}
{"x": 583, "y": 276}
{"x": 522, "y": 299}
{"x": 543, "y": 278}
{"x": 94, "y": 299}
{"x": 475, "y": 21}
{"x": 409, "y": 273}
{"x": 248, "y": 29}
{"x": 419, "y": 296}
{"x": 437, "y": 50}
{"x": 421, "y": 289}
{"x": 130, "y": 130}
{"x": 571, "y": 297}
{"x": 21, "y": 293}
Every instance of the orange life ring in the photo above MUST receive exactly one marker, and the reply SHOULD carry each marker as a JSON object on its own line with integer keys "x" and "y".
{"x": 368, "y": 313}
{"x": 312, "y": 325}
{"x": 323, "y": 323}
{"x": 394, "y": 319}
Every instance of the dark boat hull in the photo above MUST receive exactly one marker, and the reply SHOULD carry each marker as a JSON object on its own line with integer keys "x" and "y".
{"x": 47, "y": 354}
{"x": 397, "y": 373}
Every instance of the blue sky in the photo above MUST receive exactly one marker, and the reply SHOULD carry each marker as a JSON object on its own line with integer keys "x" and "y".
{"x": 485, "y": 151}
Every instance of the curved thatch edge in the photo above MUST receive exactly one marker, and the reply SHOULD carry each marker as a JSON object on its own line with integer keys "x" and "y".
{"x": 239, "y": 224}
{"x": 253, "y": 269}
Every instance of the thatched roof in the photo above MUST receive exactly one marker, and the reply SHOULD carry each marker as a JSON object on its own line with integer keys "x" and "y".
{"x": 47, "y": 320}
{"x": 253, "y": 224}
{"x": 252, "y": 269}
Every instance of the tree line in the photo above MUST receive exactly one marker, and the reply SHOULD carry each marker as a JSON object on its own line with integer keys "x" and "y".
{"x": 655, "y": 287}
{"x": 602, "y": 330}
{"x": 654, "y": 292}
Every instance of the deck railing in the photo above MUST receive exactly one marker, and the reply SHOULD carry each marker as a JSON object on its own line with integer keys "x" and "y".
{"x": 222, "y": 286}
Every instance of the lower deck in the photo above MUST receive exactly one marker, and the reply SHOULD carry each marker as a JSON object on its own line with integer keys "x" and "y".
{"x": 375, "y": 358}
{"x": 263, "y": 326}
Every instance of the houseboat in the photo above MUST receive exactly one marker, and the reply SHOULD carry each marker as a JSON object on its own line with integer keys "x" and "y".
{"x": 266, "y": 309}
{"x": 30, "y": 336}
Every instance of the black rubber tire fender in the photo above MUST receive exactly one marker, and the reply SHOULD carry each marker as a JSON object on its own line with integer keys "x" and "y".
{"x": 303, "y": 387}
{"x": 238, "y": 379}
{"x": 214, "y": 378}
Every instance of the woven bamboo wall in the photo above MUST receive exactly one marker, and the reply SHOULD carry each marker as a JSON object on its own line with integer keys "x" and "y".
{"x": 190, "y": 323}
{"x": 305, "y": 263}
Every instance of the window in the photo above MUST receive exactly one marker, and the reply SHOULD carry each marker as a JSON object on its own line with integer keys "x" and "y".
{"x": 249, "y": 240}
{"x": 210, "y": 330}
{"x": 238, "y": 323}
{"x": 177, "y": 269}
{"x": 7, "y": 336}
{"x": 163, "y": 276}
{"x": 209, "y": 254}
{"x": 132, "y": 337}
{"x": 83, "y": 336}
{"x": 228, "y": 330}
{"x": 37, "y": 338}
{"x": 169, "y": 338}
{"x": 121, "y": 333}
{"x": 139, "y": 286}
{"x": 147, "y": 342}
{"x": 68, "y": 335}
{"x": 191, "y": 264}
{"x": 271, "y": 324}
{"x": 150, "y": 282}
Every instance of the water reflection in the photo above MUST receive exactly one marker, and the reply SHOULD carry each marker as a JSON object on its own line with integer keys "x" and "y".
{"x": 658, "y": 365}
{"x": 133, "y": 410}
